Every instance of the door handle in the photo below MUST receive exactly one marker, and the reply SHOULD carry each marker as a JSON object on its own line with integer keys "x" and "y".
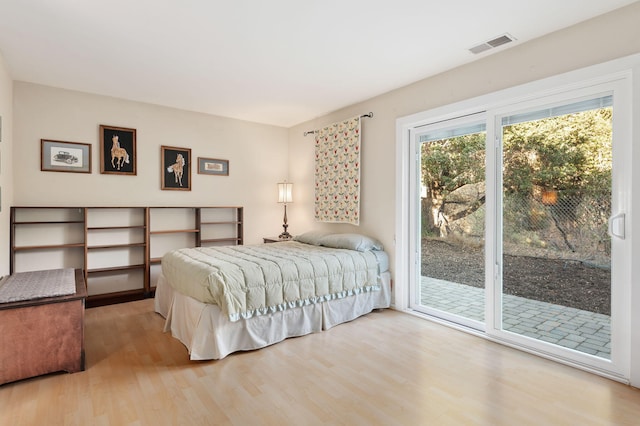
{"x": 616, "y": 226}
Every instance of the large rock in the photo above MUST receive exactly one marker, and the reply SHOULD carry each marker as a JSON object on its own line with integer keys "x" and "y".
{"x": 464, "y": 201}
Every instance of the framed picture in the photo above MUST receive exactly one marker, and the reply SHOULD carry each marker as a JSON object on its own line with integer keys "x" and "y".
{"x": 58, "y": 156}
{"x": 176, "y": 168}
{"x": 213, "y": 166}
{"x": 117, "y": 150}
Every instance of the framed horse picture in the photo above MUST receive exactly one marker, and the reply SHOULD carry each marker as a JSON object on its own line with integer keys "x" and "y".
{"x": 117, "y": 150}
{"x": 176, "y": 168}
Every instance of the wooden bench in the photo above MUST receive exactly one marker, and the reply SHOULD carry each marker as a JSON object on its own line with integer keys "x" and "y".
{"x": 44, "y": 335}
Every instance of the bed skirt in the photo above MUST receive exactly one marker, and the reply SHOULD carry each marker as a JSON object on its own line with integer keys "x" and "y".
{"x": 208, "y": 334}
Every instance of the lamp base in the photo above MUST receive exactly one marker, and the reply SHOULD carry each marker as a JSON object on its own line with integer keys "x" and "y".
{"x": 285, "y": 236}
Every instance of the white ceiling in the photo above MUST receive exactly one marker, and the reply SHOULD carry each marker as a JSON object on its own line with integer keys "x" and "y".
{"x": 278, "y": 62}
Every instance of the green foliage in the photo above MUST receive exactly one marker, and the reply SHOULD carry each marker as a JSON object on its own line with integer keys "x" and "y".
{"x": 448, "y": 164}
{"x": 568, "y": 153}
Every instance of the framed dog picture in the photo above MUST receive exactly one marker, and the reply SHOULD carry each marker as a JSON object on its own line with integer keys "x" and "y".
{"x": 117, "y": 150}
{"x": 176, "y": 168}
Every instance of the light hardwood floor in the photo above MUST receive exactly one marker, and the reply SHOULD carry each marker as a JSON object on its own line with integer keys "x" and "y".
{"x": 386, "y": 368}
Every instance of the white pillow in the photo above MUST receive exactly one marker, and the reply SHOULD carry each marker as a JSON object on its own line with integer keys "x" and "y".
{"x": 351, "y": 241}
{"x": 311, "y": 237}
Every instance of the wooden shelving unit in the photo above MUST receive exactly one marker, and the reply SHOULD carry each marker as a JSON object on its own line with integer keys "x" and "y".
{"x": 176, "y": 227}
{"x": 210, "y": 222}
{"x": 118, "y": 248}
{"x": 115, "y": 255}
{"x": 54, "y": 230}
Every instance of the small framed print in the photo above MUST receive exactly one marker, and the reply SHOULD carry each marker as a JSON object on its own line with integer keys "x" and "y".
{"x": 176, "y": 168}
{"x": 117, "y": 150}
{"x": 213, "y": 166}
{"x": 58, "y": 156}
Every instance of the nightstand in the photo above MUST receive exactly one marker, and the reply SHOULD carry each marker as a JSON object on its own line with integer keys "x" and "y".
{"x": 275, "y": 239}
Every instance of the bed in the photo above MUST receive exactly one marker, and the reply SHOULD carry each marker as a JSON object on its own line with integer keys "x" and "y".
{"x": 220, "y": 300}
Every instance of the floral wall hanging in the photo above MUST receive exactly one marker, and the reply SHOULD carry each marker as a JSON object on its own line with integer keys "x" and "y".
{"x": 337, "y": 173}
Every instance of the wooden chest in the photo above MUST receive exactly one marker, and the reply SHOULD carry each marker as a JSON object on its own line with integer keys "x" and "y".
{"x": 43, "y": 336}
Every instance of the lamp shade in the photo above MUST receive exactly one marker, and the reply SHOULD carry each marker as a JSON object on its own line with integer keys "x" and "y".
{"x": 285, "y": 190}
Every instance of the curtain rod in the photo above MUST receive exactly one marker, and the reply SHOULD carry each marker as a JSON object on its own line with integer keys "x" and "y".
{"x": 368, "y": 115}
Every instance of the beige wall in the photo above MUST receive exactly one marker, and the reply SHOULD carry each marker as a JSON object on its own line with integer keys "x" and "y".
{"x": 257, "y": 156}
{"x": 6, "y": 165}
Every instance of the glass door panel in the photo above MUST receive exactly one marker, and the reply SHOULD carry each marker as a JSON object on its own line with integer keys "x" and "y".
{"x": 556, "y": 202}
{"x": 452, "y": 221}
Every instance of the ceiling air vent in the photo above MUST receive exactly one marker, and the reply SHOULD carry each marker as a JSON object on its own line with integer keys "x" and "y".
{"x": 498, "y": 41}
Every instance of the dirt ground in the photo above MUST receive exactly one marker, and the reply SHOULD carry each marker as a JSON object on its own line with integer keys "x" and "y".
{"x": 562, "y": 282}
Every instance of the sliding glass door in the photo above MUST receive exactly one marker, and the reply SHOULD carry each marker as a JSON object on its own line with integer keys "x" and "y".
{"x": 452, "y": 218}
{"x": 519, "y": 217}
{"x": 555, "y": 248}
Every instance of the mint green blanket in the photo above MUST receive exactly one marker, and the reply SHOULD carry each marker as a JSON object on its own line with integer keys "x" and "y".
{"x": 259, "y": 279}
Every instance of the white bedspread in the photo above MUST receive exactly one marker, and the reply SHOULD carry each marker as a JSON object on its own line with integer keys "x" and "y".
{"x": 208, "y": 334}
{"x": 245, "y": 281}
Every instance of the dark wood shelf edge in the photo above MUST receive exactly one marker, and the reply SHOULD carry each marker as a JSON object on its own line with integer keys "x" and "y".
{"x": 105, "y": 228}
{"x": 175, "y": 231}
{"x": 53, "y": 246}
{"x": 111, "y": 246}
{"x": 220, "y": 240}
{"x": 48, "y": 222}
{"x": 113, "y": 298}
{"x": 194, "y": 207}
{"x": 115, "y": 268}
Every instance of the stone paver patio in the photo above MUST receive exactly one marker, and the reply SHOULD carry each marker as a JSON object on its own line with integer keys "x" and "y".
{"x": 572, "y": 328}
